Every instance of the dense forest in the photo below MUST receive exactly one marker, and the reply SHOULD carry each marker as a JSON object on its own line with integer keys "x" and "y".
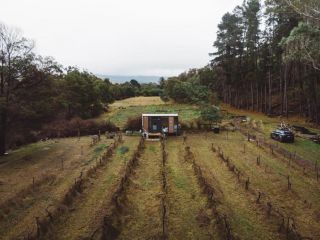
{"x": 37, "y": 91}
{"x": 267, "y": 59}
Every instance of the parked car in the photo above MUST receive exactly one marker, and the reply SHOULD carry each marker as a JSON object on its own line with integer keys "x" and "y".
{"x": 216, "y": 129}
{"x": 283, "y": 135}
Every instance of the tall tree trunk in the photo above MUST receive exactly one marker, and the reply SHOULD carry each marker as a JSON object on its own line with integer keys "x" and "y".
{"x": 3, "y": 130}
{"x": 3, "y": 117}
{"x": 281, "y": 92}
{"x": 261, "y": 99}
{"x": 4, "y": 95}
{"x": 270, "y": 93}
{"x": 301, "y": 95}
{"x": 252, "y": 96}
{"x": 315, "y": 100}
{"x": 258, "y": 102}
{"x": 265, "y": 98}
{"x": 285, "y": 91}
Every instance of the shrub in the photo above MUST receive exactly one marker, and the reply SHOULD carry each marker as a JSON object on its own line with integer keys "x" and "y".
{"x": 184, "y": 125}
{"x": 123, "y": 149}
{"x": 134, "y": 123}
{"x": 70, "y": 128}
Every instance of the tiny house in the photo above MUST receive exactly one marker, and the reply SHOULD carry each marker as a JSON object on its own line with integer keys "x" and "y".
{"x": 157, "y": 124}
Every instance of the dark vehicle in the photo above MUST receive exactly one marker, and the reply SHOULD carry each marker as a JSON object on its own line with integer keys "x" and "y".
{"x": 216, "y": 129}
{"x": 283, "y": 135}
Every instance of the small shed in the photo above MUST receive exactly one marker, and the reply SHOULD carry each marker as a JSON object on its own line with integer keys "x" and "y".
{"x": 161, "y": 123}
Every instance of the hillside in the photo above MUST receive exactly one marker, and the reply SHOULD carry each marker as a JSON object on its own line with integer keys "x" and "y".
{"x": 127, "y": 78}
{"x": 197, "y": 186}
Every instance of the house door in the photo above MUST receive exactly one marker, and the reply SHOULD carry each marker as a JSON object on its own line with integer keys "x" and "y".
{"x": 156, "y": 124}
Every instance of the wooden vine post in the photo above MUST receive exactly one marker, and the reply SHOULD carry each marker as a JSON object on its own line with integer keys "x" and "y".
{"x": 258, "y": 160}
{"x": 259, "y": 197}
{"x": 289, "y": 183}
{"x": 247, "y": 183}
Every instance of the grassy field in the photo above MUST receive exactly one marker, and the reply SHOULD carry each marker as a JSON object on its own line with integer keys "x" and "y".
{"x": 121, "y": 111}
{"x": 158, "y": 197}
{"x": 88, "y": 210}
{"x": 54, "y": 166}
{"x": 185, "y": 199}
{"x": 142, "y": 208}
{"x": 304, "y": 147}
{"x": 270, "y": 178}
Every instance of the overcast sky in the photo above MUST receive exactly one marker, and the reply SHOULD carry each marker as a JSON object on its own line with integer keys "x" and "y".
{"x": 126, "y": 37}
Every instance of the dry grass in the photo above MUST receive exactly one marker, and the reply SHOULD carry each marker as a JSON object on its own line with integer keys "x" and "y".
{"x": 304, "y": 147}
{"x": 302, "y": 202}
{"x": 121, "y": 111}
{"x": 19, "y": 219}
{"x": 40, "y": 159}
{"x": 142, "y": 218}
{"x": 87, "y": 212}
{"x": 189, "y": 216}
{"x": 137, "y": 101}
{"x": 247, "y": 221}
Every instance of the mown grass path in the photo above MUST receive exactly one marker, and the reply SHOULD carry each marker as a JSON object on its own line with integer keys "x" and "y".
{"x": 188, "y": 217}
{"x": 141, "y": 218}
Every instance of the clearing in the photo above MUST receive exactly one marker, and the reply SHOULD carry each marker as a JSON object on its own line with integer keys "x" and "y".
{"x": 202, "y": 186}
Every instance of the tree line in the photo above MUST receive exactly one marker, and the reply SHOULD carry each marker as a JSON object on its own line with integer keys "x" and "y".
{"x": 36, "y": 91}
{"x": 267, "y": 59}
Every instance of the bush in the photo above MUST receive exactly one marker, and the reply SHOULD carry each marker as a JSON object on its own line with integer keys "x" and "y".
{"x": 64, "y": 128}
{"x": 123, "y": 149}
{"x": 184, "y": 126}
{"x": 134, "y": 123}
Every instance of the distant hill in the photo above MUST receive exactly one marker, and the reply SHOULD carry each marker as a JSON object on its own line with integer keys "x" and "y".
{"x": 122, "y": 79}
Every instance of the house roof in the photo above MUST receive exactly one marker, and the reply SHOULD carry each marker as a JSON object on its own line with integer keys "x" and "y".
{"x": 160, "y": 115}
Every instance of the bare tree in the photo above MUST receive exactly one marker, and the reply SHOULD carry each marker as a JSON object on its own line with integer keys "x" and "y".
{"x": 14, "y": 51}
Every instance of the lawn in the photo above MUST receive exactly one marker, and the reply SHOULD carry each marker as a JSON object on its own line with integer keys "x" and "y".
{"x": 303, "y": 147}
{"x": 121, "y": 111}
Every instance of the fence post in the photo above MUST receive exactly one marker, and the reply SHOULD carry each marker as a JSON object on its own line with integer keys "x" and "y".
{"x": 259, "y": 160}
{"x": 269, "y": 208}
{"x": 289, "y": 183}
{"x": 247, "y": 183}
{"x": 258, "y": 199}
